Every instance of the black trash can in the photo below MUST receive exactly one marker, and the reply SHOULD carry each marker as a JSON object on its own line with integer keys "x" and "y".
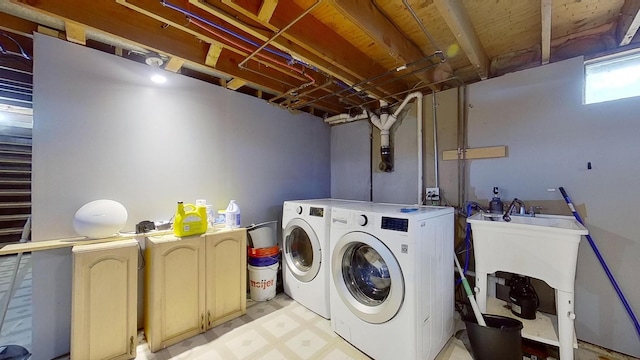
{"x": 14, "y": 352}
{"x": 501, "y": 339}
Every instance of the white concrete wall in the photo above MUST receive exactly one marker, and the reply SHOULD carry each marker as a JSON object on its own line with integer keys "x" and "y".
{"x": 401, "y": 185}
{"x": 350, "y": 161}
{"x": 103, "y": 130}
{"x": 551, "y": 135}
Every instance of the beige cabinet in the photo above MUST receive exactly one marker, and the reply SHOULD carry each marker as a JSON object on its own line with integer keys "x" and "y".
{"x": 226, "y": 277}
{"x": 104, "y": 300}
{"x": 193, "y": 284}
{"x": 174, "y": 295}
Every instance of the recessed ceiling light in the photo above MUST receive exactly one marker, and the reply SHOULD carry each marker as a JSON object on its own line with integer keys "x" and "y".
{"x": 158, "y": 79}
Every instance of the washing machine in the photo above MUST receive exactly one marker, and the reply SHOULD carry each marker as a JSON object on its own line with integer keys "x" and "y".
{"x": 305, "y": 251}
{"x": 392, "y": 280}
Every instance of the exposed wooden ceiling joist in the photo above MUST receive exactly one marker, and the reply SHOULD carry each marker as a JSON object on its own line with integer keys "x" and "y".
{"x": 150, "y": 33}
{"x": 628, "y": 23}
{"x": 266, "y": 9}
{"x": 458, "y": 21}
{"x": 383, "y": 32}
{"x": 17, "y": 25}
{"x": 308, "y": 39}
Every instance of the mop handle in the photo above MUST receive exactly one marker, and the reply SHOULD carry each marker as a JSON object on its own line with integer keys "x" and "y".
{"x": 472, "y": 300}
{"x": 603, "y": 263}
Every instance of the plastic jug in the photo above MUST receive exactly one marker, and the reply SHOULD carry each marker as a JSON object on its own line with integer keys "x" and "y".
{"x": 190, "y": 220}
{"x": 232, "y": 215}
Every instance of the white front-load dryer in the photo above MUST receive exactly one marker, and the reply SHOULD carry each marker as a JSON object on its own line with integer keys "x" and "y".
{"x": 392, "y": 280}
{"x": 305, "y": 251}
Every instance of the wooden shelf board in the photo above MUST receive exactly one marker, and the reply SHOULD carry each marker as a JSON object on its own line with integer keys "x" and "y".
{"x": 543, "y": 329}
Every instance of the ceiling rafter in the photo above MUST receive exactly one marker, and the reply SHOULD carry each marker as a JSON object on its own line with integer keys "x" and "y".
{"x": 310, "y": 40}
{"x": 628, "y": 23}
{"x": 459, "y": 23}
{"x": 376, "y": 25}
{"x": 144, "y": 33}
{"x": 171, "y": 17}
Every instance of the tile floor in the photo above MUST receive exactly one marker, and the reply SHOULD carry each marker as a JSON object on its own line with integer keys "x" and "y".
{"x": 277, "y": 329}
{"x": 283, "y": 329}
{"x": 16, "y": 329}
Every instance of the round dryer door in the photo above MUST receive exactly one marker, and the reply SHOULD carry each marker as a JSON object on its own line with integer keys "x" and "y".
{"x": 368, "y": 277}
{"x": 302, "y": 254}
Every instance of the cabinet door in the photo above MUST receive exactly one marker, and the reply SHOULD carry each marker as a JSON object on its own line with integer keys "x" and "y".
{"x": 104, "y": 301}
{"x": 175, "y": 291}
{"x": 226, "y": 276}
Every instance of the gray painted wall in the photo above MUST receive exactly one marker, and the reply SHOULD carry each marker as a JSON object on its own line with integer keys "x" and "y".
{"x": 350, "y": 150}
{"x": 350, "y": 161}
{"x": 551, "y": 135}
{"x": 401, "y": 185}
{"x": 103, "y": 130}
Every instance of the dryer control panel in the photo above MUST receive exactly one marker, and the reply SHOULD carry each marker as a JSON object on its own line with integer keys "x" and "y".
{"x": 395, "y": 224}
{"x": 316, "y": 211}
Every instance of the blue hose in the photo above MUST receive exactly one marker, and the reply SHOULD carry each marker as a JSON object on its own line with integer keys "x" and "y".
{"x": 467, "y": 239}
{"x": 603, "y": 263}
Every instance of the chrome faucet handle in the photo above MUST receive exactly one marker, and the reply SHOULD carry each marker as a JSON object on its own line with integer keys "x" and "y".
{"x": 532, "y": 209}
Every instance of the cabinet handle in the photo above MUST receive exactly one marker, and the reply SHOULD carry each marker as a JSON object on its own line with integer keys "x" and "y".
{"x": 208, "y": 318}
{"x": 202, "y": 322}
{"x": 131, "y": 345}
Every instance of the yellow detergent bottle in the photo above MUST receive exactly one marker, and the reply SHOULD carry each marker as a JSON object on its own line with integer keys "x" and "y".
{"x": 190, "y": 220}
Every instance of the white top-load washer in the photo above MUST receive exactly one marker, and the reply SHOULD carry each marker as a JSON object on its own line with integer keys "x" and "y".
{"x": 392, "y": 279}
{"x": 305, "y": 251}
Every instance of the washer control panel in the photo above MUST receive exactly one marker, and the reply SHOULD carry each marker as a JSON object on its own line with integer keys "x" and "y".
{"x": 395, "y": 224}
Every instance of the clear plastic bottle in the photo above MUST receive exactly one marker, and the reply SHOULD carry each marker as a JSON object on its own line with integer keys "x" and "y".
{"x": 232, "y": 215}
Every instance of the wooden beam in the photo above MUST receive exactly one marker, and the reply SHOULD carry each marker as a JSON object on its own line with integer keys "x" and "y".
{"x": 75, "y": 32}
{"x": 545, "y": 20}
{"x": 458, "y": 21}
{"x": 174, "y": 64}
{"x": 475, "y": 153}
{"x": 266, "y": 9}
{"x": 17, "y": 25}
{"x": 235, "y": 84}
{"x": 47, "y": 31}
{"x": 148, "y": 33}
{"x": 629, "y": 22}
{"x": 310, "y": 40}
{"x": 213, "y": 54}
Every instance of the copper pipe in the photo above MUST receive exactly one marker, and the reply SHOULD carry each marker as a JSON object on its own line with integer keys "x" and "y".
{"x": 204, "y": 27}
{"x": 280, "y": 32}
{"x": 370, "y": 80}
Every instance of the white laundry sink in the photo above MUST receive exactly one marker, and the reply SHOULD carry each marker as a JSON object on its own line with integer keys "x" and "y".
{"x": 544, "y": 246}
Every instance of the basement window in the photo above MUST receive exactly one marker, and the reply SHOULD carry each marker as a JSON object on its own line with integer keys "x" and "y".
{"x": 612, "y": 78}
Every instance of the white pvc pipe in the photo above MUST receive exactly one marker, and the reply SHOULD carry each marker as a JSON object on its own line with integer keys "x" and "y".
{"x": 343, "y": 118}
{"x": 420, "y": 165}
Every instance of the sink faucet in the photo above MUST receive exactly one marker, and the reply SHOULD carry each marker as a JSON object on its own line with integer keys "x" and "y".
{"x": 507, "y": 214}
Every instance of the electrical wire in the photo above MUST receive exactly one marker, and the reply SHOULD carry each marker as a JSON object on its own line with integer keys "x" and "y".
{"x": 22, "y": 51}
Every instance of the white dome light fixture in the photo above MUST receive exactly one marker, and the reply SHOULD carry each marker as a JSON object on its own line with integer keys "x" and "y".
{"x": 155, "y": 61}
{"x": 158, "y": 79}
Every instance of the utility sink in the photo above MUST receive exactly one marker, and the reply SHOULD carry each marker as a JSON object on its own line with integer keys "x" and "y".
{"x": 541, "y": 246}
{"x": 544, "y": 247}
